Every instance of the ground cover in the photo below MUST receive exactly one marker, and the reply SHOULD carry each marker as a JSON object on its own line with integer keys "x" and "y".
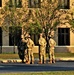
{"x": 15, "y": 56}
{"x": 41, "y": 73}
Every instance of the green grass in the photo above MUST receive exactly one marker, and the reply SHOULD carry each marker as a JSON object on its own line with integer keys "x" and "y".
{"x": 15, "y": 56}
{"x": 42, "y": 73}
{"x": 9, "y": 56}
{"x": 64, "y": 54}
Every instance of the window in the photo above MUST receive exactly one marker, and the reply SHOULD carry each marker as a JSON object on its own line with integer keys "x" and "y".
{"x": 14, "y": 35}
{"x": 34, "y": 3}
{"x": 16, "y": 3}
{"x": 51, "y": 1}
{"x": 0, "y": 3}
{"x": 63, "y": 36}
{"x": 64, "y": 4}
{"x": 0, "y": 36}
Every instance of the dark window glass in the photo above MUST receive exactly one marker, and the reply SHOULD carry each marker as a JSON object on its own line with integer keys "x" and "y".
{"x": 63, "y": 36}
{"x": 0, "y": 36}
{"x": 0, "y": 3}
{"x": 14, "y": 35}
{"x": 34, "y": 3}
{"x": 64, "y": 4}
{"x": 16, "y": 3}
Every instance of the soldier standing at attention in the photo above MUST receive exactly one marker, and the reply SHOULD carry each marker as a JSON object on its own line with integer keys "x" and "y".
{"x": 42, "y": 44}
{"x": 30, "y": 45}
{"x": 52, "y": 44}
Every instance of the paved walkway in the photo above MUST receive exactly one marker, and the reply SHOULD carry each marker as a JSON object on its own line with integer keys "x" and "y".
{"x": 36, "y": 59}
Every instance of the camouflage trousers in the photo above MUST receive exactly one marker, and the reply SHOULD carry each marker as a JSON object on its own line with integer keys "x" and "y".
{"x": 42, "y": 54}
{"x": 30, "y": 55}
{"x": 26, "y": 55}
{"x": 51, "y": 54}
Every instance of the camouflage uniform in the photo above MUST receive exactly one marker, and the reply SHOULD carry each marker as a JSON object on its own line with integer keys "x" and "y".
{"x": 52, "y": 44}
{"x": 42, "y": 43}
{"x": 26, "y": 51}
{"x": 30, "y": 45}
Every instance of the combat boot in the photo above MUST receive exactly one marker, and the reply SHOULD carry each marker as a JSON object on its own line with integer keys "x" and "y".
{"x": 32, "y": 62}
{"x": 50, "y": 62}
{"x": 44, "y": 62}
{"x": 53, "y": 61}
{"x": 39, "y": 62}
{"x": 28, "y": 62}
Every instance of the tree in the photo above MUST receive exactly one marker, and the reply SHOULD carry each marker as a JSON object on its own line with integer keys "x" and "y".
{"x": 50, "y": 16}
{"x": 44, "y": 19}
{"x": 12, "y": 17}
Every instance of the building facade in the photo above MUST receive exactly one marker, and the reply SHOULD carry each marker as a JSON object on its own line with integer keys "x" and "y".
{"x": 63, "y": 37}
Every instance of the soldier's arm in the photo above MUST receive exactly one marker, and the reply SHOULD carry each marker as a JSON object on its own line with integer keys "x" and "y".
{"x": 39, "y": 42}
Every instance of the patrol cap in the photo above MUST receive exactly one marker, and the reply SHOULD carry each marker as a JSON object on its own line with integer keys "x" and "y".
{"x": 29, "y": 36}
{"x": 41, "y": 34}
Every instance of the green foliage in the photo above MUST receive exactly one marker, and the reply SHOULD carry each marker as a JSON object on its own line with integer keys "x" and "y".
{"x": 72, "y": 23}
{"x": 55, "y": 24}
{"x": 35, "y": 28}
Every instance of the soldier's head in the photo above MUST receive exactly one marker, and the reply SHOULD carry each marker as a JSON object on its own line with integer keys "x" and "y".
{"x": 29, "y": 37}
{"x": 41, "y": 35}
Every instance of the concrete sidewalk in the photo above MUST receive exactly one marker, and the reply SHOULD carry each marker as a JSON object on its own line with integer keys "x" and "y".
{"x": 36, "y": 59}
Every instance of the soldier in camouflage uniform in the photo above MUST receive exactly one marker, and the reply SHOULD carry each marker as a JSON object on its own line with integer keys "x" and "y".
{"x": 30, "y": 45}
{"x": 42, "y": 44}
{"x": 25, "y": 40}
{"x": 52, "y": 44}
{"x": 22, "y": 49}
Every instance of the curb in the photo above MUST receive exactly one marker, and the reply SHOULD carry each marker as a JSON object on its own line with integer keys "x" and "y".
{"x": 65, "y": 59}
{"x": 10, "y": 61}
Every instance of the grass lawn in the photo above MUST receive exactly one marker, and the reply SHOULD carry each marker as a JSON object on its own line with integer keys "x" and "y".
{"x": 42, "y": 73}
{"x": 15, "y": 56}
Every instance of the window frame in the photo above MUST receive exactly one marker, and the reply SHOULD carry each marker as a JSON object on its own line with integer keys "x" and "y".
{"x": 0, "y": 36}
{"x": 64, "y": 4}
{"x": 63, "y": 36}
{"x": 37, "y": 5}
{"x": 13, "y": 3}
{"x": 0, "y": 3}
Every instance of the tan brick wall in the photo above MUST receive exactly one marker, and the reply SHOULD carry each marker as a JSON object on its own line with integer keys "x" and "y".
{"x": 72, "y": 5}
{"x": 59, "y": 48}
{"x": 62, "y": 49}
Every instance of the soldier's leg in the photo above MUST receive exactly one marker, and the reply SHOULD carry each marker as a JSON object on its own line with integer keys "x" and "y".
{"x": 32, "y": 57}
{"x": 50, "y": 54}
{"x": 44, "y": 56}
{"x": 53, "y": 57}
{"x": 40, "y": 61}
{"x": 28, "y": 57}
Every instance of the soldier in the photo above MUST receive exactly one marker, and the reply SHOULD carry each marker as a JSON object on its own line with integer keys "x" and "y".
{"x": 30, "y": 45}
{"x": 22, "y": 47}
{"x": 52, "y": 44}
{"x": 42, "y": 44}
{"x": 25, "y": 51}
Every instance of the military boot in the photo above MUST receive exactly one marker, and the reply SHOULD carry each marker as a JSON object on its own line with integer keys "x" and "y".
{"x": 39, "y": 62}
{"x": 53, "y": 61}
{"x": 50, "y": 62}
{"x": 32, "y": 62}
{"x": 44, "y": 62}
{"x": 28, "y": 62}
